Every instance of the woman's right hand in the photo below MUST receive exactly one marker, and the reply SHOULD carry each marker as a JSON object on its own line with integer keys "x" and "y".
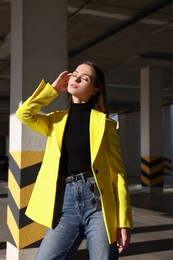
{"x": 60, "y": 84}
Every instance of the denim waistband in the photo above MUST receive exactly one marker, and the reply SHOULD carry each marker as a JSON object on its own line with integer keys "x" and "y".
{"x": 79, "y": 176}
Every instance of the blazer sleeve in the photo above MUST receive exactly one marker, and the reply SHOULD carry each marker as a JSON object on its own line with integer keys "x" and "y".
{"x": 28, "y": 114}
{"x": 119, "y": 176}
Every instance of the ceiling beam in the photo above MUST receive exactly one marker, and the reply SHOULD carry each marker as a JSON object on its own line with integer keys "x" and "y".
{"x": 122, "y": 27}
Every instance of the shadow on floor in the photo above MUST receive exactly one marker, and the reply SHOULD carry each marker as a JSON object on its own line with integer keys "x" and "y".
{"x": 149, "y": 247}
{"x": 141, "y": 247}
{"x": 152, "y": 228}
{"x": 82, "y": 254}
{"x": 137, "y": 248}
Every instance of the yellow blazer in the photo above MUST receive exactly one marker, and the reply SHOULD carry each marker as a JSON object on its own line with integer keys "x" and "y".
{"x": 106, "y": 162}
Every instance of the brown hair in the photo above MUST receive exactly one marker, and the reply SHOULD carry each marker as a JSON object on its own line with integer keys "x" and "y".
{"x": 98, "y": 101}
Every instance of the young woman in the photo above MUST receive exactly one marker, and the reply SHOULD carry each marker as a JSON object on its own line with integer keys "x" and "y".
{"x": 81, "y": 189}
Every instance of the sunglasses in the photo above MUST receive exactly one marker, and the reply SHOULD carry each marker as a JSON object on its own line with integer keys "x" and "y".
{"x": 92, "y": 189}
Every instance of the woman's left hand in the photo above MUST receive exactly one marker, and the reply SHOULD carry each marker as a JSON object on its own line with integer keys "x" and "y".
{"x": 123, "y": 238}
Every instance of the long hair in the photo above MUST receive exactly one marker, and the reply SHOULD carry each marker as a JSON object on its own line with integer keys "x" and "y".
{"x": 98, "y": 101}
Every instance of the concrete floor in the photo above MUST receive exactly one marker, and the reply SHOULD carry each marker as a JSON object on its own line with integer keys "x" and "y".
{"x": 152, "y": 236}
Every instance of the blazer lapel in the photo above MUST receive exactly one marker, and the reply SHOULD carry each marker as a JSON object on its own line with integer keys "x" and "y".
{"x": 60, "y": 127}
{"x": 97, "y": 127}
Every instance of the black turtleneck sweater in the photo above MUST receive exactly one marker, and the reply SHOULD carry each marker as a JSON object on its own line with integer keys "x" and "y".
{"x": 75, "y": 155}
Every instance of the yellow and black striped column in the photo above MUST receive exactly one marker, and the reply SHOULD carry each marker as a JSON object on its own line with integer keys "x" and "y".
{"x": 167, "y": 166}
{"x": 31, "y": 61}
{"x": 151, "y": 130}
{"x": 22, "y": 231}
{"x": 152, "y": 172}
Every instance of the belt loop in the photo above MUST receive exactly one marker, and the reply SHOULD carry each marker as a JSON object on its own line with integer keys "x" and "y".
{"x": 83, "y": 177}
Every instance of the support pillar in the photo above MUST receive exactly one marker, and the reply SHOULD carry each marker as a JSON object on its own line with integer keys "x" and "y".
{"x": 167, "y": 160}
{"x": 39, "y": 50}
{"x": 151, "y": 130}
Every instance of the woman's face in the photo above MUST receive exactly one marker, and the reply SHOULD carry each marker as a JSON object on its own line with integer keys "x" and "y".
{"x": 81, "y": 84}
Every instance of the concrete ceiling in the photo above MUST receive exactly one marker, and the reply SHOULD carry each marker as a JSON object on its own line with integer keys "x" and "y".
{"x": 122, "y": 36}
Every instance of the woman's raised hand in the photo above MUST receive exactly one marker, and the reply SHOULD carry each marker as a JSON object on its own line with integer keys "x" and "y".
{"x": 60, "y": 84}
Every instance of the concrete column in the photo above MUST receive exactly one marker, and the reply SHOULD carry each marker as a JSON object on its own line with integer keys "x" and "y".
{"x": 130, "y": 126}
{"x": 151, "y": 130}
{"x": 2, "y": 145}
{"x": 171, "y": 127}
{"x": 167, "y": 133}
{"x": 39, "y": 50}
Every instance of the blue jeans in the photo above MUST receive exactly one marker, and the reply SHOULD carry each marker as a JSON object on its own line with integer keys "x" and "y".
{"x": 78, "y": 214}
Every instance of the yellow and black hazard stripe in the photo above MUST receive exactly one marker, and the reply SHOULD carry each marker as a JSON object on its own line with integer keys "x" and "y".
{"x": 167, "y": 166}
{"x": 152, "y": 171}
{"x": 23, "y": 170}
